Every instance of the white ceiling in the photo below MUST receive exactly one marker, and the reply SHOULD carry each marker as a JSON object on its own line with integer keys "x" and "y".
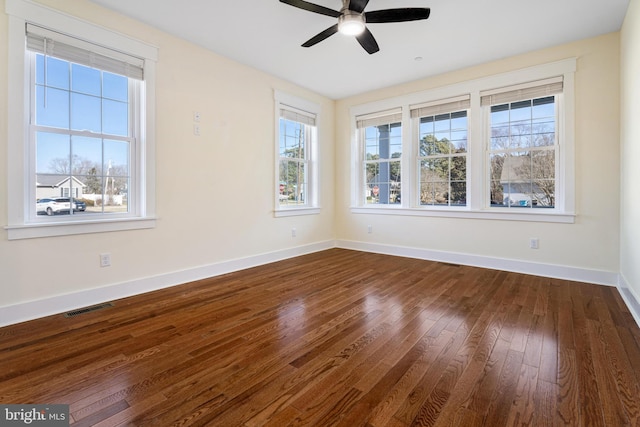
{"x": 267, "y": 35}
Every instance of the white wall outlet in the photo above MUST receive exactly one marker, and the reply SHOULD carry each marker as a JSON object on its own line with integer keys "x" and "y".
{"x": 534, "y": 243}
{"x": 293, "y": 232}
{"x": 105, "y": 260}
{"x": 196, "y": 130}
{"x": 369, "y": 229}
{"x": 196, "y": 116}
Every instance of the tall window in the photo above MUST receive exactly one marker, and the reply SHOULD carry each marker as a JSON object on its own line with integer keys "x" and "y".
{"x": 442, "y": 152}
{"x": 296, "y": 145}
{"x": 82, "y": 124}
{"x": 296, "y": 133}
{"x": 381, "y": 137}
{"x": 83, "y": 156}
{"x": 523, "y": 146}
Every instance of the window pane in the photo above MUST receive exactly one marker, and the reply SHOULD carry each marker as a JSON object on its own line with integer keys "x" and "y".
{"x": 86, "y": 113}
{"x": 57, "y": 72}
{"x": 85, "y": 80}
{"x": 115, "y": 87}
{"x": 458, "y": 195}
{"x": 115, "y": 117}
{"x": 116, "y": 194}
{"x": 87, "y": 155}
{"x": 496, "y": 170}
{"x": 52, "y": 153}
{"x": 116, "y": 158}
{"x": 54, "y": 109}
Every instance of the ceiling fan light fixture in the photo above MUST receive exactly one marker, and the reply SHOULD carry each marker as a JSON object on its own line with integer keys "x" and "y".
{"x": 351, "y": 24}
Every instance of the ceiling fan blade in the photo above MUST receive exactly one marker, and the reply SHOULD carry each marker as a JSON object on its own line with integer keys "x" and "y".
{"x": 397, "y": 15}
{"x": 321, "y": 36}
{"x": 301, "y": 4}
{"x": 358, "y": 5}
{"x": 367, "y": 41}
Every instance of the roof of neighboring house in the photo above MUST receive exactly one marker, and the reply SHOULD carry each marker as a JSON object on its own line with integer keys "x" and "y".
{"x": 55, "y": 180}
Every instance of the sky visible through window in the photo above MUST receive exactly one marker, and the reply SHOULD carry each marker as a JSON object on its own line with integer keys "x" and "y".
{"x": 77, "y": 98}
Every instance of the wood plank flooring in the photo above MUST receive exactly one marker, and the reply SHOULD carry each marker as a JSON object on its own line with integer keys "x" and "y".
{"x": 339, "y": 338}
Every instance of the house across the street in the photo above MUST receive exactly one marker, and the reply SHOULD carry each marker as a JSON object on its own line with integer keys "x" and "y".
{"x": 59, "y": 186}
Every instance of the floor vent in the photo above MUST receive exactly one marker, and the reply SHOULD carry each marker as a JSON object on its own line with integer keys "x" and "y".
{"x": 88, "y": 309}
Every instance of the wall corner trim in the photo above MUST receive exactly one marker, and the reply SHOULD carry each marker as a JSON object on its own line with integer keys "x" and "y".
{"x": 630, "y": 298}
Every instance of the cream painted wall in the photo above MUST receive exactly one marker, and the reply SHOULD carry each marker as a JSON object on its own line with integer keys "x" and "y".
{"x": 591, "y": 243}
{"x": 630, "y": 150}
{"x": 214, "y": 192}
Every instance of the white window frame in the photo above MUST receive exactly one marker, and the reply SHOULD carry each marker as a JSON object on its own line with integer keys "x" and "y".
{"x": 478, "y": 140}
{"x": 296, "y": 104}
{"x": 435, "y": 108}
{"x": 22, "y": 224}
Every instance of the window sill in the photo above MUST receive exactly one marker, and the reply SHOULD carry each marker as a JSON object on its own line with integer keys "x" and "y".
{"x": 497, "y": 214}
{"x": 52, "y": 229}
{"x": 295, "y": 212}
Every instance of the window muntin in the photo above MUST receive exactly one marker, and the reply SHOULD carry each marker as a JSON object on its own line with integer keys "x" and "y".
{"x": 442, "y": 159}
{"x": 522, "y": 153}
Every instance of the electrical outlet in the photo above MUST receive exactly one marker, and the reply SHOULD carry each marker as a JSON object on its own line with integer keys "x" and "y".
{"x": 105, "y": 260}
{"x": 369, "y": 229}
{"x": 293, "y": 232}
{"x": 196, "y": 116}
{"x": 534, "y": 243}
{"x": 196, "y": 130}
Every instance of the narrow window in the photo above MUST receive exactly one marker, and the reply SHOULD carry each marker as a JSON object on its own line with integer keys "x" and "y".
{"x": 296, "y": 187}
{"x": 442, "y": 131}
{"x": 381, "y": 141}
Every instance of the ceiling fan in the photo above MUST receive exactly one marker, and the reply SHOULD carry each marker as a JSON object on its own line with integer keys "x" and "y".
{"x": 352, "y": 20}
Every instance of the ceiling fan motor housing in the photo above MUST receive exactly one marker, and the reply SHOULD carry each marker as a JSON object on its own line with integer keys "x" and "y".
{"x": 350, "y": 22}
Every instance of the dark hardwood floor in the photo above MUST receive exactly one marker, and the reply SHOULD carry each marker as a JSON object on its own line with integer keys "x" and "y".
{"x": 339, "y": 338}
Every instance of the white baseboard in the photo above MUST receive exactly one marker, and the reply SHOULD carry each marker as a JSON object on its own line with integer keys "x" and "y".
{"x": 599, "y": 277}
{"x": 62, "y": 303}
{"x": 630, "y": 297}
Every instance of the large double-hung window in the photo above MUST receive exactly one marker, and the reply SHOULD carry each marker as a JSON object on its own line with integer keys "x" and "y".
{"x": 442, "y": 130}
{"x": 83, "y": 133}
{"x": 381, "y": 138}
{"x": 81, "y": 126}
{"x": 523, "y": 145}
{"x": 296, "y": 137}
